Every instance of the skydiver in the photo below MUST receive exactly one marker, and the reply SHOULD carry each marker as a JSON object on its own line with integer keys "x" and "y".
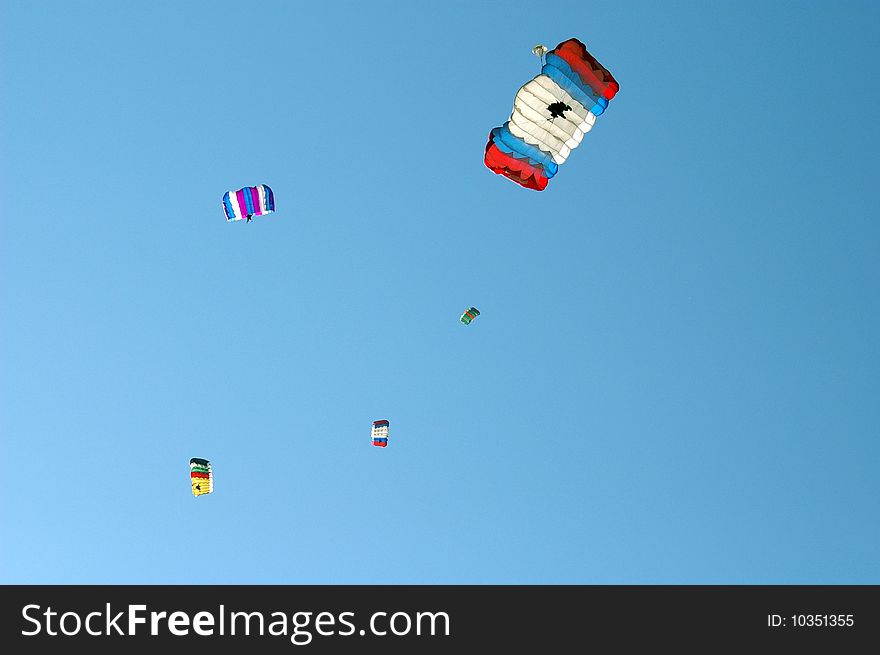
{"x": 249, "y": 218}
{"x": 558, "y": 109}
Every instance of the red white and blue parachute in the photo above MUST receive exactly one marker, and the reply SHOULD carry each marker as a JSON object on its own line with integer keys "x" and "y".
{"x": 249, "y": 201}
{"x": 551, "y": 114}
{"x": 379, "y": 433}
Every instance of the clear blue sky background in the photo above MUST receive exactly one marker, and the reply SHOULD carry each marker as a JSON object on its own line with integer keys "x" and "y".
{"x": 674, "y": 378}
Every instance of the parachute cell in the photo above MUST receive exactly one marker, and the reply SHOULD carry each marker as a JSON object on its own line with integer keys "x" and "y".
{"x": 379, "y": 433}
{"x": 469, "y": 315}
{"x": 201, "y": 477}
{"x": 551, "y": 114}
{"x": 247, "y": 202}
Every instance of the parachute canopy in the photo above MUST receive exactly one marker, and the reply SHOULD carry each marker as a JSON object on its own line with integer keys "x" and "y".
{"x": 379, "y": 433}
{"x": 469, "y": 315}
{"x": 551, "y": 114}
{"x": 247, "y": 202}
{"x": 201, "y": 477}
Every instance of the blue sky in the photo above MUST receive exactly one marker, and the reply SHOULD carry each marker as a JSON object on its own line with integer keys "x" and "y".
{"x": 674, "y": 376}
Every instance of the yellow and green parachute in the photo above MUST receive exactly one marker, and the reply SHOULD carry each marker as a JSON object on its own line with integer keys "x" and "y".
{"x": 201, "y": 476}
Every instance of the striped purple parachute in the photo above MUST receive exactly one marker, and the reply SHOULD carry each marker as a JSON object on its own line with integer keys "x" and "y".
{"x": 247, "y": 202}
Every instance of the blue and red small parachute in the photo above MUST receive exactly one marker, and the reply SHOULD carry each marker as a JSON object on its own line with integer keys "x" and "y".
{"x": 551, "y": 114}
{"x": 247, "y": 202}
{"x": 379, "y": 433}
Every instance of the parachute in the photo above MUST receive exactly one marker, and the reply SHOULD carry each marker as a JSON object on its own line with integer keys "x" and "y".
{"x": 201, "y": 476}
{"x": 247, "y": 202}
{"x": 379, "y": 433}
{"x": 469, "y": 315}
{"x": 551, "y": 114}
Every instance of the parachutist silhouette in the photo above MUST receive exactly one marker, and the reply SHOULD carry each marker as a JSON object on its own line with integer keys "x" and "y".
{"x": 249, "y": 218}
{"x": 557, "y": 110}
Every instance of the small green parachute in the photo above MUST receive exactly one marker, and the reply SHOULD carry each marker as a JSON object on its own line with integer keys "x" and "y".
{"x": 469, "y": 315}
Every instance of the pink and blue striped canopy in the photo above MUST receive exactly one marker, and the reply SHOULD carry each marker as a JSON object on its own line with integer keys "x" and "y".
{"x": 249, "y": 201}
